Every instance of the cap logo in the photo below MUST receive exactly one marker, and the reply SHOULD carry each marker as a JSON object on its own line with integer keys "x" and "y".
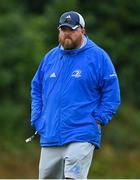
{"x": 71, "y": 19}
{"x": 68, "y": 17}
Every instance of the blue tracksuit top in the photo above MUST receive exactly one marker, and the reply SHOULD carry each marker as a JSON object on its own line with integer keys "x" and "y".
{"x": 71, "y": 90}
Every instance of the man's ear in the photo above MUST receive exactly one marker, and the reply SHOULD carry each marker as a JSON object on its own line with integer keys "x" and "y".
{"x": 83, "y": 30}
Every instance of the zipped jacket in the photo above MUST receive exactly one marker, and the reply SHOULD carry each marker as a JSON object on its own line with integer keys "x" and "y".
{"x": 72, "y": 91}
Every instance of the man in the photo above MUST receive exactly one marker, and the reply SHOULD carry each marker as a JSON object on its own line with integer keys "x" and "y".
{"x": 75, "y": 91}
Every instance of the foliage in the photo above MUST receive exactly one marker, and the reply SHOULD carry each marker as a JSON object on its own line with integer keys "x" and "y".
{"x": 28, "y": 29}
{"x": 115, "y": 26}
{"x": 21, "y": 50}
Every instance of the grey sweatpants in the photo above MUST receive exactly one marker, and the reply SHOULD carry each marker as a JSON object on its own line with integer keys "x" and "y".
{"x": 69, "y": 161}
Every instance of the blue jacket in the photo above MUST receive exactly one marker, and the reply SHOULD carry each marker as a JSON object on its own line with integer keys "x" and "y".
{"x": 71, "y": 90}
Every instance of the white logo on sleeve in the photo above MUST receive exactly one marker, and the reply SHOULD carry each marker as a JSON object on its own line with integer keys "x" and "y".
{"x": 53, "y": 75}
{"x": 112, "y": 75}
{"x": 76, "y": 73}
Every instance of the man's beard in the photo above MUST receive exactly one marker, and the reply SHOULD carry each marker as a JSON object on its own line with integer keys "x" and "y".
{"x": 68, "y": 43}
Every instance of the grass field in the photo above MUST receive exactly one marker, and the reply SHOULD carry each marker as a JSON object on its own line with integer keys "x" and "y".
{"x": 107, "y": 163}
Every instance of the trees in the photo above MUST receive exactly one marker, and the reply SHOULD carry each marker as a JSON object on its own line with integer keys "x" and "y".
{"x": 28, "y": 29}
{"x": 27, "y": 34}
{"x": 21, "y": 48}
{"x": 115, "y": 26}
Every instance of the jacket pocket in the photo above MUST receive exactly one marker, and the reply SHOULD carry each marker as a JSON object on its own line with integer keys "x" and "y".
{"x": 97, "y": 126}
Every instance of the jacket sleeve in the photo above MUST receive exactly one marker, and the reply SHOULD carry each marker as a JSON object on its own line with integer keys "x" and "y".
{"x": 36, "y": 95}
{"x": 109, "y": 92}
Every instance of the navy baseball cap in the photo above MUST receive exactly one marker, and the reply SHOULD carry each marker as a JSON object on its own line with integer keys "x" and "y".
{"x": 71, "y": 19}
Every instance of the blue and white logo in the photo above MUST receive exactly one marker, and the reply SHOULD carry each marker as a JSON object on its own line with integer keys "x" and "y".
{"x": 76, "y": 169}
{"x": 53, "y": 75}
{"x": 112, "y": 75}
{"x": 76, "y": 73}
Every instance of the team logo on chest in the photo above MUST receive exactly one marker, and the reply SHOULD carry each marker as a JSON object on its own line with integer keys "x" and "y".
{"x": 53, "y": 75}
{"x": 77, "y": 73}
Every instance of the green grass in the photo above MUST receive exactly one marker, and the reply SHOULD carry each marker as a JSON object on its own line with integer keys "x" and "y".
{"x": 107, "y": 163}
{"x": 110, "y": 164}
